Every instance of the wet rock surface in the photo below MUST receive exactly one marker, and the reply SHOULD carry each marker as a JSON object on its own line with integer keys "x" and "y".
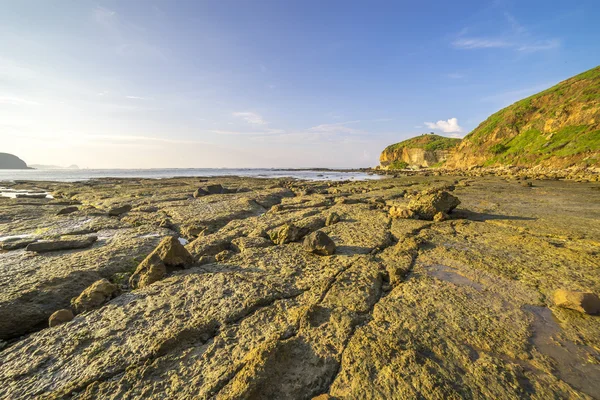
{"x": 462, "y": 306}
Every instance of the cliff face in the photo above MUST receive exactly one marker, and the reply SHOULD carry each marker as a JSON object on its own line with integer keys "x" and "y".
{"x": 9, "y": 161}
{"x": 421, "y": 151}
{"x": 559, "y": 127}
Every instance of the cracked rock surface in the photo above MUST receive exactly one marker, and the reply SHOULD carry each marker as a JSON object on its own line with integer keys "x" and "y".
{"x": 404, "y": 308}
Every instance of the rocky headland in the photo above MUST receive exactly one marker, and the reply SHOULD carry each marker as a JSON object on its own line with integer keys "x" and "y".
{"x": 417, "y": 285}
{"x": 10, "y": 161}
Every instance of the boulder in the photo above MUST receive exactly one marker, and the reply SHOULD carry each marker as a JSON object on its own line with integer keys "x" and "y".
{"x": 60, "y": 317}
{"x": 200, "y": 193}
{"x": 94, "y": 296}
{"x": 583, "y": 302}
{"x": 169, "y": 253}
{"x": 287, "y": 233}
{"x": 426, "y": 206}
{"x": 57, "y": 245}
{"x": 67, "y": 210}
{"x": 214, "y": 189}
{"x": 116, "y": 211}
{"x": 332, "y": 218}
{"x": 319, "y": 243}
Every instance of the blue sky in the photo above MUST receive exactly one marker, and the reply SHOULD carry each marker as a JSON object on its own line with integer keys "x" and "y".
{"x": 260, "y": 83}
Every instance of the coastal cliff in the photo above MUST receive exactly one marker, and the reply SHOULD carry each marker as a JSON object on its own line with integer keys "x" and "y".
{"x": 10, "y": 161}
{"x": 422, "y": 151}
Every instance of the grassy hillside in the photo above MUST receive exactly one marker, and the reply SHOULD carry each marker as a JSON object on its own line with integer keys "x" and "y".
{"x": 558, "y": 127}
{"x": 427, "y": 142}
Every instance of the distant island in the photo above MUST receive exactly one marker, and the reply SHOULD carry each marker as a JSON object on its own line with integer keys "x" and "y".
{"x": 42, "y": 166}
{"x": 10, "y": 161}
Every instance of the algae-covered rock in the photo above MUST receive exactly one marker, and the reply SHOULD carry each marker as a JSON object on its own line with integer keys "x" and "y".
{"x": 94, "y": 296}
{"x": 332, "y": 218}
{"x": 319, "y": 243}
{"x": 200, "y": 193}
{"x": 67, "y": 210}
{"x": 588, "y": 303}
{"x": 287, "y": 233}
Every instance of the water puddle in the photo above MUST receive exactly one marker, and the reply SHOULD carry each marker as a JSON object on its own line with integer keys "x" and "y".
{"x": 448, "y": 274}
{"x": 24, "y": 194}
{"x": 571, "y": 360}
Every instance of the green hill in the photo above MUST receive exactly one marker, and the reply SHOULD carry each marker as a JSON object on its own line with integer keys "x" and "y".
{"x": 559, "y": 127}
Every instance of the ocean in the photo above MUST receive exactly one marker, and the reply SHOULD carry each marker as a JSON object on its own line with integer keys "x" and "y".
{"x": 73, "y": 175}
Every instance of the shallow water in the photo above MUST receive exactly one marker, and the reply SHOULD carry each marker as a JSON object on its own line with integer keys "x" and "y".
{"x": 67, "y": 175}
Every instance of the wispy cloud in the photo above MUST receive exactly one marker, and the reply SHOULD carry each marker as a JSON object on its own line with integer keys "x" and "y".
{"x": 448, "y": 126}
{"x": 516, "y": 37}
{"x": 18, "y": 101}
{"x": 138, "y": 98}
{"x": 250, "y": 117}
{"x": 339, "y": 127}
{"x": 250, "y": 133}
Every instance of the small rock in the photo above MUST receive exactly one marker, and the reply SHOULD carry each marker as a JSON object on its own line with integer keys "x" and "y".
{"x": 116, "y": 211}
{"x": 258, "y": 232}
{"x": 60, "y": 317}
{"x": 287, "y": 233}
{"x": 200, "y": 193}
{"x": 441, "y": 216}
{"x": 172, "y": 253}
{"x": 527, "y": 184}
{"x": 147, "y": 209}
{"x": 332, "y": 218}
{"x": 16, "y": 244}
{"x": 68, "y": 210}
{"x": 94, "y": 296}
{"x": 214, "y": 189}
{"x": 57, "y": 245}
{"x": 584, "y": 302}
{"x": 319, "y": 243}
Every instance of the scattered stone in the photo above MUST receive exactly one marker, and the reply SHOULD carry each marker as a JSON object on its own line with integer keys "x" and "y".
{"x": 319, "y": 243}
{"x": 116, "y": 211}
{"x": 583, "y": 302}
{"x": 30, "y": 196}
{"x": 426, "y": 206}
{"x": 287, "y": 233}
{"x": 332, "y": 218}
{"x": 147, "y": 209}
{"x": 68, "y": 210}
{"x": 441, "y": 216}
{"x": 200, "y": 193}
{"x": 527, "y": 184}
{"x": 94, "y": 296}
{"x": 58, "y": 245}
{"x": 214, "y": 189}
{"x": 60, "y": 317}
{"x": 169, "y": 253}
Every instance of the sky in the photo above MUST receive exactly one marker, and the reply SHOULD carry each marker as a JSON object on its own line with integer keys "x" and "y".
{"x": 270, "y": 83}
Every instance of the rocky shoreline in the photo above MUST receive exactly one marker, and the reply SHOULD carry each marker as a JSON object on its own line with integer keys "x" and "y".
{"x": 425, "y": 284}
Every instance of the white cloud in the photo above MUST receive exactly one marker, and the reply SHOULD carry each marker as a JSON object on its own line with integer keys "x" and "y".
{"x": 480, "y": 43}
{"x": 540, "y": 46}
{"x": 250, "y": 117}
{"x": 449, "y": 126}
{"x": 138, "y": 98}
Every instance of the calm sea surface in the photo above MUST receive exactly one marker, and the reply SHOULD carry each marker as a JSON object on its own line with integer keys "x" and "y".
{"x": 64, "y": 175}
